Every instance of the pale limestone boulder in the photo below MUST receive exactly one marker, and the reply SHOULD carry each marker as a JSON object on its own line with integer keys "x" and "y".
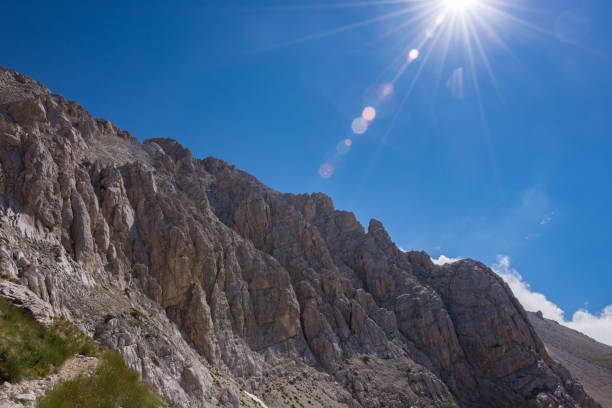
{"x": 22, "y": 297}
{"x": 8, "y": 268}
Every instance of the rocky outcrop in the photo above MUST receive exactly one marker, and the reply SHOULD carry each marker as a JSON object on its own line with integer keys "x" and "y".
{"x": 22, "y": 297}
{"x": 207, "y": 281}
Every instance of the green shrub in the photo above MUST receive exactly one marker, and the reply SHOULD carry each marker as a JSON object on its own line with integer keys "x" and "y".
{"x": 137, "y": 314}
{"x": 87, "y": 349}
{"x": 30, "y": 350}
{"x": 79, "y": 341}
{"x": 113, "y": 385}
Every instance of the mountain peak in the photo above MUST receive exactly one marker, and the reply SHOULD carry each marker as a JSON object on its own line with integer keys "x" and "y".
{"x": 216, "y": 282}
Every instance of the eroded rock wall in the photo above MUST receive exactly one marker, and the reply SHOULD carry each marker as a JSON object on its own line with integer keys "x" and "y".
{"x": 251, "y": 278}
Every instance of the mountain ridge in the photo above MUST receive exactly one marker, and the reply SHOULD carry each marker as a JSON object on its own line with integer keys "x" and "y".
{"x": 588, "y": 360}
{"x": 251, "y": 286}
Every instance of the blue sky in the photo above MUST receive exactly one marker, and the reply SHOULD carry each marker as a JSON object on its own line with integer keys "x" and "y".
{"x": 505, "y": 153}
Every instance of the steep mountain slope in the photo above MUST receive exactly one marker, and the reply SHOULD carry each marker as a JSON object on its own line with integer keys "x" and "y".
{"x": 589, "y": 361}
{"x": 207, "y": 281}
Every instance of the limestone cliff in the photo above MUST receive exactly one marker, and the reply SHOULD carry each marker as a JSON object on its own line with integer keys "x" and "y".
{"x": 209, "y": 282}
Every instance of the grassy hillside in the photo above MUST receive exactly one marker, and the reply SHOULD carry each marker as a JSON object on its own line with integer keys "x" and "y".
{"x": 29, "y": 350}
{"x": 113, "y": 385}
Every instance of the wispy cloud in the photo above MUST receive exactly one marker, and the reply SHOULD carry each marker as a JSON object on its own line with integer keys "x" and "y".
{"x": 598, "y": 327}
{"x": 442, "y": 260}
{"x": 547, "y": 218}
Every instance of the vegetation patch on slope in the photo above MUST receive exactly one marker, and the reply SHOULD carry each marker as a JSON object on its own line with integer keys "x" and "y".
{"x": 29, "y": 350}
{"x": 113, "y": 385}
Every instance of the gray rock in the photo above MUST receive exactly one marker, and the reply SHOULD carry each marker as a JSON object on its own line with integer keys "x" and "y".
{"x": 27, "y": 112}
{"x": 10, "y": 139}
{"x": 25, "y": 397}
{"x": 8, "y": 269}
{"x": 23, "y": 297}
{"x": 204, "y": 269}
{"x": 230, "y": 398}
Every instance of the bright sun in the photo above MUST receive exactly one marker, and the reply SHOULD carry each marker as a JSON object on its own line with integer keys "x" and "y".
{"x": 459, "y": 5}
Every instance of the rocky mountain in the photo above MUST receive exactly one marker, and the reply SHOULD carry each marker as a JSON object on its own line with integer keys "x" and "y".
{"x": 216, "y": 288}
{"x": 587, "y": 360}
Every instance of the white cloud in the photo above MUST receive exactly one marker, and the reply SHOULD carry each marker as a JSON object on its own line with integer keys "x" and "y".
{"x": 597, "y": 327}
{"x": 532, "y": 301}
{"x": 444, "y": 260}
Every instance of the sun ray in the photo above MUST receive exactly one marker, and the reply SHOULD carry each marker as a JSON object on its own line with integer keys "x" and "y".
{"x": 341, "y": 29}
{"x": 554, "y": 35}
{"x": 425, "y": 38}
{"x": 391, "y": 125}
{"x": 304, "y": 7}
{"x": 342, "y": 5}
{"x": 504, "y": 14}
{"x": 426, "y": 15}
{"x": 405, "y": 24}
{"x": 447, "y": 29}
{"x": 482, "y": 115}
{"x": 444, "y": 55}
{"x": 484, "y": 58}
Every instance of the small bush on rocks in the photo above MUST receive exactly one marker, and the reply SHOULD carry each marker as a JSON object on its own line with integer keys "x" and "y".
{"x": 113, "y": 385}
{"x": 29, "y": 350}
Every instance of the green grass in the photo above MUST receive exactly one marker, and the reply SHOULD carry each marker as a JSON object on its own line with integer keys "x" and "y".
{"x": 114, "y": 385}
{"x": 137, "y": 314}
{"x": 29, "y": 350}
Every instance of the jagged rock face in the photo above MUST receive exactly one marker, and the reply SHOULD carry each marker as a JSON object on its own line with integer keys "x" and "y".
{"x": 253, "y": 278}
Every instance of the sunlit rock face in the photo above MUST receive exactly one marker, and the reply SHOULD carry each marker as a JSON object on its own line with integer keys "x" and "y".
{"x": 265, "y": 287}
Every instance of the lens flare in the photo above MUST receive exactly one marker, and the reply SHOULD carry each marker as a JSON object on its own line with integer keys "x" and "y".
{"x": 326, "y": 170}
{"x": 342, "y": 148}
{"x": 432, "y": 31}
{"x": 385, "y": 91}
{"x": 413, "y": 54}
{"x": 359, "y": 126}
{"x": 369, "y": 113}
